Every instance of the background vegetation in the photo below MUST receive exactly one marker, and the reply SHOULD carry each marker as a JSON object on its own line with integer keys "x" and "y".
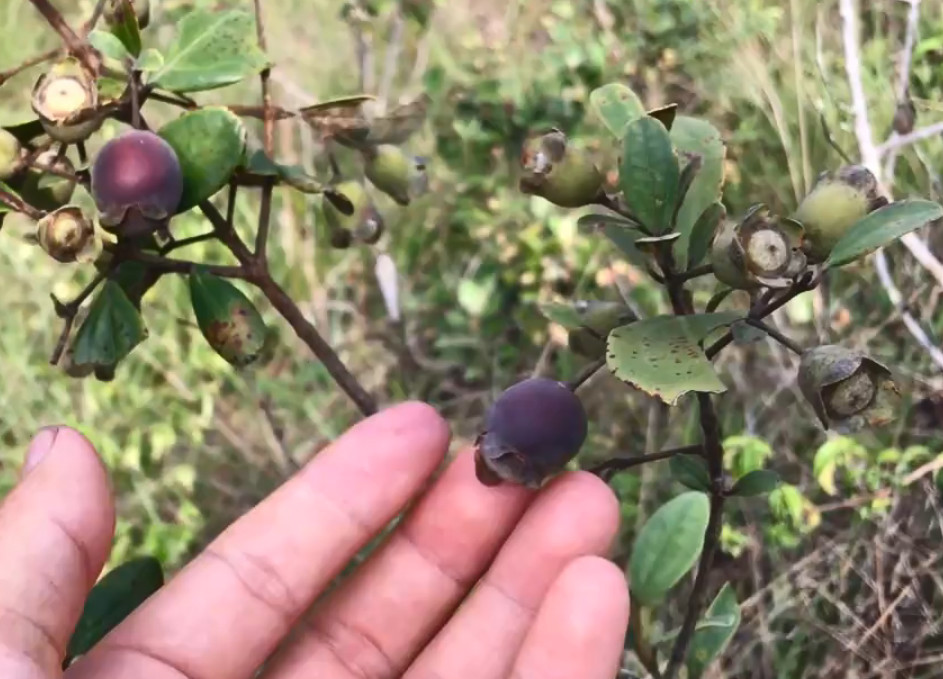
{"x": 841, "y": 569}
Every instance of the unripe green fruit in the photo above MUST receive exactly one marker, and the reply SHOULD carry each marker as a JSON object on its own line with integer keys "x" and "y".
{"x": 227, "y": 319}
{"x": 398, "y": 175}
{"x": 727, "y": 260}
{"x": 44, "y": 190}
{"x": 365, "y": 222}
{"x": 836, "y": 202}
{"x": 555, "y": 171}
{"x": 10, "y": 152}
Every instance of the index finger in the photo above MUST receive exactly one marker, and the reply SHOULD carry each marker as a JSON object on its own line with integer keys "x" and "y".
{"x": 225, "y": 613}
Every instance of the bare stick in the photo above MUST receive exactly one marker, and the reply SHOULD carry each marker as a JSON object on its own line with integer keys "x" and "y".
{"x": 776, "y": 335}
{"x": 265, "y": 208}
{"x": 585, "y": 374}
{"x": 17, "y": 204}
{"x": 68, "y": 311}
{"x": 81, "y": 49}
{"x": 617, "y": 464}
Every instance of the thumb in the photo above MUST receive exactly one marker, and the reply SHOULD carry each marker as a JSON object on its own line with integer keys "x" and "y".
{"x": 56, "y": 528}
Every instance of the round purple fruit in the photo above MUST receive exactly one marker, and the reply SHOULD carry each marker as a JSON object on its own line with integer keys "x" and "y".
{"x": 137, "y": 184}
{"x": 532, "y": 431}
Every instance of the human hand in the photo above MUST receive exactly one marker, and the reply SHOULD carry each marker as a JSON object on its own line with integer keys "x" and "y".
{"x": 474, "y": 582}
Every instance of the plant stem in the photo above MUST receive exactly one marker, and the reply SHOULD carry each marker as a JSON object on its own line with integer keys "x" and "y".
{"x": 17, "y": 204}
{"x": 585, "y": 374}
{"x": 81, "y": 49}
{"x": 268, "y": 134}
{"x": 310, "y": 336}
{"x": 69, "y": 310}
{"x": 696, "y": 272}
{"x": 776, "y": 335}
{"x": 617, "y": 464}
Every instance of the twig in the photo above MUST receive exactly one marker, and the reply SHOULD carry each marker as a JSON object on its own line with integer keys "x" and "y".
{"x": 81, "y": 49}
{"x": 391, "y": 58}
{"x": 29, "y": 63}
{"x": 899, "y": 141}
{"x": 585, "y": 374}
{"x": 265, "y": 206}
{"x": 696, "y": 272}
{"x": 17, "y": 204}
{"x": 68, "y": 311}
{"x": 617, "y": 464}
{"x": 310, "y": 336}
{"x": 96, "y": 15}
{"x": 184, "y": 242}
{"x": 776, "y": 335}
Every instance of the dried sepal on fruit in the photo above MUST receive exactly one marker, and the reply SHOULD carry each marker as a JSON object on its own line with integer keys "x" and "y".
{"x": 397, "y": 174}
{"x": 847, "y": 389}
{"x": 137, "y": 183}
{"x": 758, "y": 251}
{"x": 556, "y": 171}
{"x": 364, "y": 224}
{"x": 228, "y": 320}
{"x": 531, "y": 432}
{"x": 66, "y": 100}
{"x": 67, "y": 235}
{"x": 837, "y": 200}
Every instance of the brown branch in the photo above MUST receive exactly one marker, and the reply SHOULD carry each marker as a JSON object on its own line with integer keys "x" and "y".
{"x": 182, "y": 266}
{"x": 17, "y": 204}
{"x": 617, "y": 464}
{"x": 265, "y": 207}
{"x": 776, "y": 335}
{"x": 310, "y": 336}
{"x": 184, "y": 242}
{"x": 585, "y": 374}
{"x": 69, "y": 310}
{"x": 29, "y": 63}
{"x": 227, "y": 234}
{"x": 75, "y": 44}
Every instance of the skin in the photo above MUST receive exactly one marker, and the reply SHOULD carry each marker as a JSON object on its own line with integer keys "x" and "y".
{"x": 538, "y": 598}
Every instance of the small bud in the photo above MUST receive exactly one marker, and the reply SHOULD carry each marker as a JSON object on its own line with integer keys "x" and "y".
{"x": 66, "y": 100}
{"x": 232, "y": 326}
{"x": 45, "y": 190}
{"x": 835, "y": 203}
{"x": 555, "y": 171}
{"x": 904, "y": 117}
{"x": 400, "y": 176}
{"x": 11, "y": 153}
{"x": 114, "y": 12}
{"x": 847, "y": 389}
{"x": 757, "y": 251}
{"x": 67, "y": 236}
{"x": 137, "y": 183}
{"x": 365, "y": 222}
{"x": 532, "y": 431}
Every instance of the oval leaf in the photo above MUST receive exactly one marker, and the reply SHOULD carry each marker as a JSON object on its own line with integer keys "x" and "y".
{"x": 691, "y": 471}
{"x": 662, "y": 357}
{"x": 111, "y": 330}
{"x": 649, "y": 174}
{"x": 210, "y": 144}
{"x": 617, "y": 106}
{"x": 212, "y": 49}
{"x": 112, "y": 599}
{"x": 667, "y": 546}
{"x": 110, "y": 46}
{"x": 882, "y": 227}
{"x": 757, "y": 482}
{"x": 709, "y": 641}
{"x": 229, "y": 322}
{"x": 699, "y": 239}
{"x": 696, "y": 136}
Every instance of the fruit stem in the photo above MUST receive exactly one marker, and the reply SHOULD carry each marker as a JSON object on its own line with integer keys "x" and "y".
{"x": 776, "y": 335}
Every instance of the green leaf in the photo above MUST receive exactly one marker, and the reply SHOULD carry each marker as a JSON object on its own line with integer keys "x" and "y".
{"x": 696, "y": 136}
{"x": 704, "y": 623}
{"x": 293, "y": 175}
{"x": 837, "y": 451}
{"x": 562, "y": 313}
{"x": 212, "y": 49}
{"x": 594, "y": 222}
{"x": 111, "y": 330}
{"x": 126, "y": 28}
{"x": 699, "y": 240}
{"x": 616, "y": 106}
{"x": 709, "y": 642}
{"x": 662, "y": 357}
{"x": 112, "y": 599}
{"x": 210, "y": 144}
{"x": 667, "y": 546}
{"x": 649, "y": 175}
{"x": 757, "y": 482}
{"x": 691, "y": 471}
{"x": 882, "y": 227}
{"x": 621, "y": 231}
{"x": 111, "y": 47}
{"x": 151, "y": 60}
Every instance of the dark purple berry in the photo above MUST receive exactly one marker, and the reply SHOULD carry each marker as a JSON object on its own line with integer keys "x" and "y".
{"x": 136, "y": 183}
{"x": 531, "y": 432}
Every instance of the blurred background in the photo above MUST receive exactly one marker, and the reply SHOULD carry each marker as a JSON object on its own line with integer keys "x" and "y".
{"x": 839, "y": 571}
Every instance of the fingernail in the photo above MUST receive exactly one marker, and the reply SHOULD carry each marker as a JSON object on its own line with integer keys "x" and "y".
{"x": 39, "y": 446}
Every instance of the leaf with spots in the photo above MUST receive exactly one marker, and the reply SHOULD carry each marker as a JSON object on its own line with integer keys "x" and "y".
{"x": 662, "y": 355}
{"x": 230, "y": 323}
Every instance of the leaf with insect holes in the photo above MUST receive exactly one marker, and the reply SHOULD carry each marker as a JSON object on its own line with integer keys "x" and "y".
{"x": 616, "y": 106}
{"x": 210, "y": 145}
{"x": 112, "y": 599}
{"x": 690, "y": 471}
{"x": 882, "y": 227}
{"x": 126, "y": 27}
{"x": 693, "y": 136}
{"x": 667, "y": 546}
{"x": 708, "y": 643}
{"x": 111, "y": 330}
{"x": 649, "y": 174}
{"x": 211, "y": 50}
{"x": 757, "y": 482}
{"x": 662, "y": 357}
